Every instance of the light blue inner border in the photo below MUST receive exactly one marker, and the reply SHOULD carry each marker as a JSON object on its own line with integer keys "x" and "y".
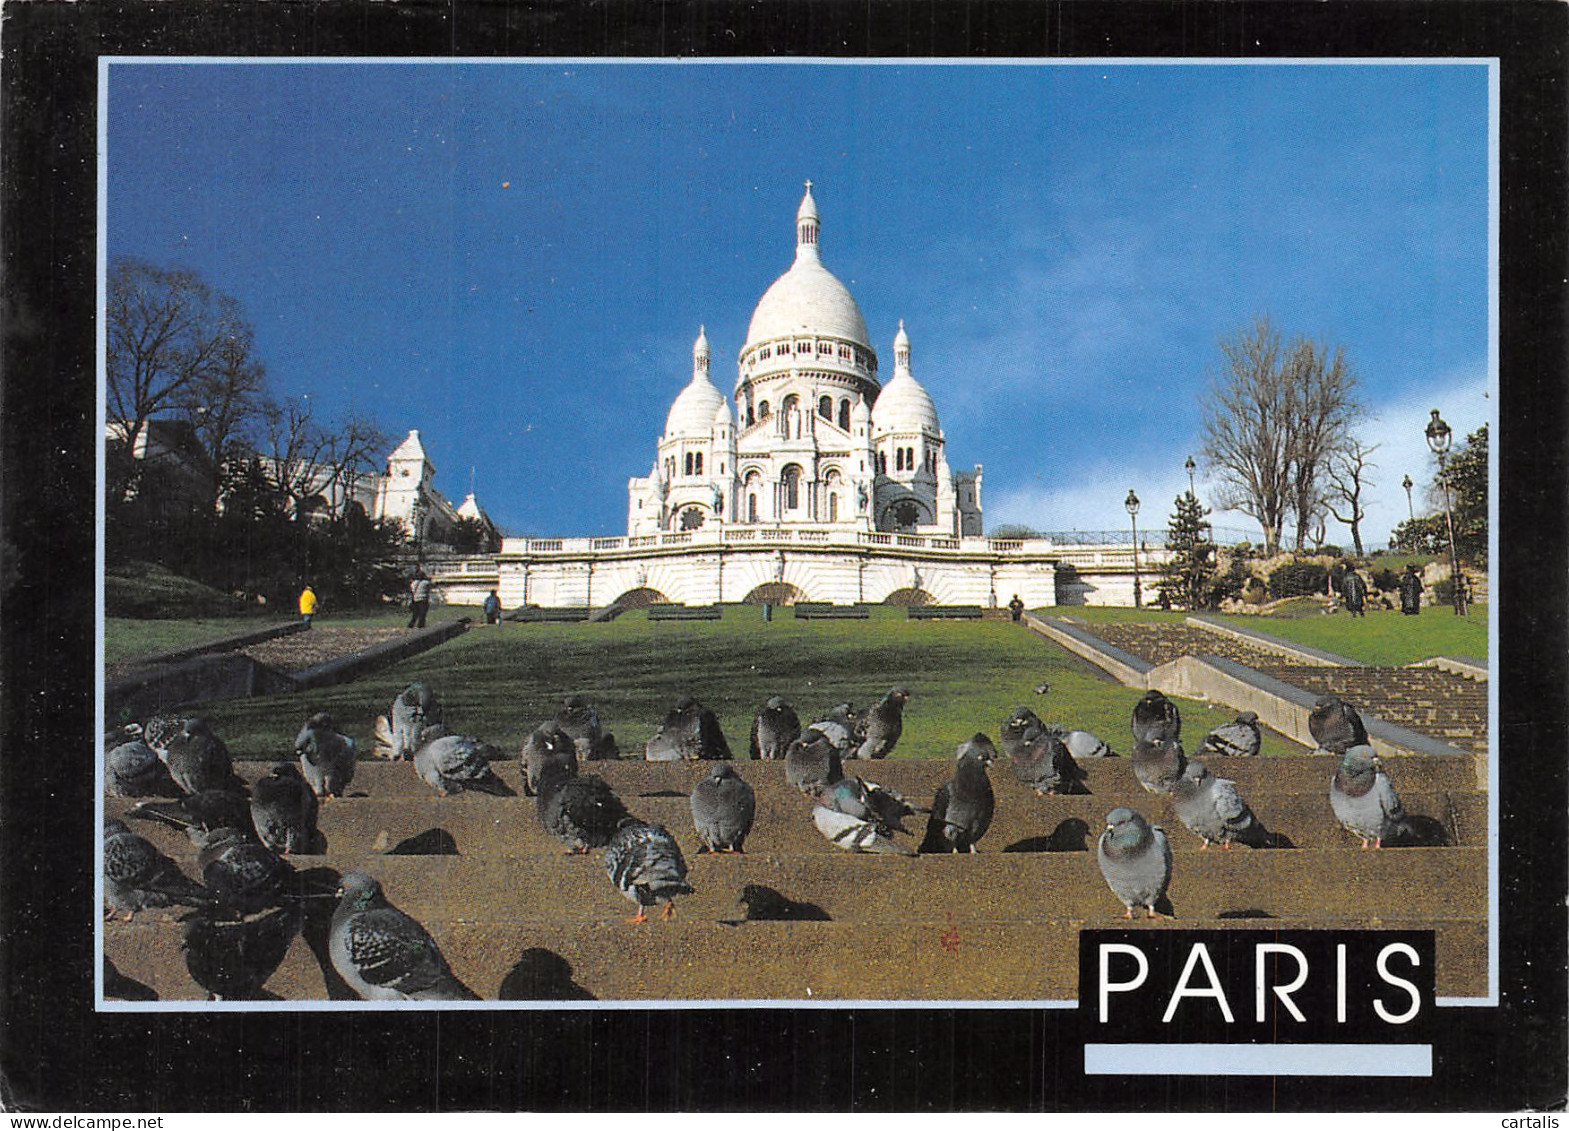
{"x": 1258, "y": 1060}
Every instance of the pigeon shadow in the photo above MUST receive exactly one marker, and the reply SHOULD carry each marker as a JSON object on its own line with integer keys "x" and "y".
{"x": 1420, "y": 832}
{"x": 122, "y": 988}
{"x": 760, "y": 903}
{"x": 1263, "y": 838}
{"x": 1163, "y": 907}
{"x": 1072, "y": 835}
{"x": 541, "y": 975}
{"x": 663, "y": 793}
{"x": 316, "y": 885}
{"x": 1246, "y": 913}
{"x": 431, "y": 842}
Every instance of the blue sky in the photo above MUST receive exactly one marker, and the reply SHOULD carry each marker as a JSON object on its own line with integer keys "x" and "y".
{"x": 514, "y": 258}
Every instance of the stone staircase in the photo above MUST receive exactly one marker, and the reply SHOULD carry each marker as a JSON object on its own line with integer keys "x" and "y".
{"x": 518, "y": 919}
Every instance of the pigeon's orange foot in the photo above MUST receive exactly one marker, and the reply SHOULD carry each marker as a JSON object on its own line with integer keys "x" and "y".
{"x": 1378, "y": 843}
{"x": 639, "y": 917}
{"x": 669, "y": 911}
{"x": 1128, "y": 914}
{"x": 1203, "y": 846}
{"x": 703, "y": 849}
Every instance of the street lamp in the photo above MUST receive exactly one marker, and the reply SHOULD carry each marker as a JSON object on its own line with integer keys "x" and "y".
{"x": 1132, "y": 503}
{"x": 1190, "y": 465}
{"x": 1439, "y": 437}
{"x": 1407, "y": 484}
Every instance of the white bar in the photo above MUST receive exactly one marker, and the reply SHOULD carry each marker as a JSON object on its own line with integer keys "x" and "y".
{"x": 1258, "y": 1060}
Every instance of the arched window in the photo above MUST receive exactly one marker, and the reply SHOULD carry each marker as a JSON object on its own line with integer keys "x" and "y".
{"x": 791, "y": 403}
{"x": 791, "y": 482}
{"x": 898, "y": 459}
{"x": 825, "y": 407}
{"x": 762, "y": 411}
{"x": 697, "y": 464}
{"x": 909, "y": 459}
{"x": 751, "y": 508}
{"x": 750, "y": 419}
{"x": 833, "y": 507}
{"x": 844, "y": 414}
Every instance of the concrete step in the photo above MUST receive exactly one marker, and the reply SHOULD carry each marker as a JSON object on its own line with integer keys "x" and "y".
{"x": 694, "y": 958}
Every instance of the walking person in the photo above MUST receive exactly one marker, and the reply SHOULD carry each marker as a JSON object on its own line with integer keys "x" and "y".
{"x": 419, "y": 598}
{"x": 1353, "y": 591}
{"x": 307, "y": 603}
{"x": 1016, "y": 607}
{"x": 1411, "y": 591}
{"x": 493, "y": 608}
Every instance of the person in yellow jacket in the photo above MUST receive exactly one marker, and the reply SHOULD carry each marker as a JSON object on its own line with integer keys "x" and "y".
{"x": 307, "y": 603}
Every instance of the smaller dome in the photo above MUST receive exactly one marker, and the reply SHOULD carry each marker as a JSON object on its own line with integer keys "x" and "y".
{"x": 903, "y": 406}
{"x": 694, "y": 410}
{"x": 723, "y": 415}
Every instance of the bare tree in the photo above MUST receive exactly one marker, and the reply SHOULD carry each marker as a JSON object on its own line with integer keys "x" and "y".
{"x": 1347, "y": 473}
{"x": 225, "y": 402}
{"x": 1273, "y": 414}
{"x": 352, "y": 449}
{"x": 294, "y": 453}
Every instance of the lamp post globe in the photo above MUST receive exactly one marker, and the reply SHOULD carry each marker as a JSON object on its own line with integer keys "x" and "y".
{"x": 1410, "y": 510}
{"x": 1439, "y": 437}
{"x": 1132, "y": 505}
{"x": 1190, "y": 467}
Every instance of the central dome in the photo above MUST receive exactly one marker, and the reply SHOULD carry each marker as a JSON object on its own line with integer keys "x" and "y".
{"x": 807, "y": 299}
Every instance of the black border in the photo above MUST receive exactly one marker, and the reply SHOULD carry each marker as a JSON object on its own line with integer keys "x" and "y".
{"x": 56, "y": 1054}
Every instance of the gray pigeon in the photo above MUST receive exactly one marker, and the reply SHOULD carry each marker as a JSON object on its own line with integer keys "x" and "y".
{"x": 774, "y": 729}
{"x": 644, "y": 862}
{"x": 1335, "y": 725}
{"x": 878, "y": 727}
{"x": 384, "y": 954}
{"x": 1039, "y": 757}
{"x": 838, "y": 726}
{"x": 326, "y": 756}
{"x": 1238, "y": 739}
{"x": 283, "y": 811}
{"x": 1155, "y": 717}
{"x": 723, "y": 807}
{"x": 1158, "y": 764}
{"x": 131, "y": 769}
{"x": 402, "y": 730}
{"x": 546, "y": 744}
{"x": 160, "y": 730}
{"x": 578, "y": 809}
{"x": 580, "y": 722}
{"x": 884, "y": 809}
{"x": 1135, "y": 859}
{"x": 137, "y": 876}
{"x": 1364, "y": 800}
{"x": 243, "y": 874}
{"x": 690, "y": 732}
{"x": 197, "y": 758}
{"x": 1213, "y": 808}
{"x": 456, "y": 762}
{"x": 962, "y": 810}
{"x": 199, "y": 814}
{"x": 1083, "y": 744}
{"x": 853, "y": 834}
{"x": 232, "y": 961}
{"x": 812, "y": 762}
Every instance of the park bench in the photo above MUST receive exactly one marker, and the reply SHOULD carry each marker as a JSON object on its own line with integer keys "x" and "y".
{"x": 533, "y": 614}
{"x": 822, "y": 610}
{"x": 684, "y": 612}
{"x": 944, "y": 612}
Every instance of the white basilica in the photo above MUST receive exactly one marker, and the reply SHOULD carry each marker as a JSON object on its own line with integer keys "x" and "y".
{"x": 815, "y": 439}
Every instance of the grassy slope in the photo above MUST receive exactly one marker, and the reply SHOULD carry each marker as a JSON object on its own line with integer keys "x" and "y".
{"x": 498, "y": 682}
{"x": 1382, "y": 637}
{"x": 129, "y": 638}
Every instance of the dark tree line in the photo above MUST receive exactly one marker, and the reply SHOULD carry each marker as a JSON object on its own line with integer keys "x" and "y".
{"x": 1466, "y": 472}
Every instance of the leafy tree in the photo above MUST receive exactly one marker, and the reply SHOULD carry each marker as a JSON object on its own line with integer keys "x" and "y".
{"x": 471, "y": 536}
{"x": 1014, "y": 530}
{"x": 1467, "y": 471}
{"x": 1191, "y": 568}
{"x": 1273, "y": 416}
{"x": 1424, "y": 535}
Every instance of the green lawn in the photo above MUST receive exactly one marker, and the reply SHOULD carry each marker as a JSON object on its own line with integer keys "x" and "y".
{"x": 499, "y": 682}
{"x": 1382, "y": 637}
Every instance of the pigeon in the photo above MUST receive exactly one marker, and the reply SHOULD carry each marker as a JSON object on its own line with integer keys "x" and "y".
{"x": 326, "y": 756}
{"x": 774, "y": 729}
{"x": 854, "y": 834}
{"x": 160, "y": 730}
{"x": 546, "y": 744}
{"x": 644, "y": 861}
{"x": 962, "y": 810}
{"x": 1039, "y": 757}
{"x": 1364, "y": 800}
{"x": 1238, "y": 739}
{"x": 199, "y": 814}
{"x": 1212, "y": 807}
{"x": 402, "y": 730}
{"x": 580, "y": 722}
{"x": 232, "y": 961}
{"x": 197, "y": 758}
{"x": 383, "y": 954}
{"x": 137, "y": 876}
{"x": 889, "y": 805}
{"x": 579, "y": 809}
{"x": 855, "y": 797}
{"x": 1156, "y": 717}
{"x": 878, "y": 727}
{"x": 690, "y": 732}
{"x": 1135, "y": 859}
{"x": 1158, "y": 764}
{"x": 132, "y": 769}
{"x": 812, "y": 762}
{"x": 456, "y": 762}
{"x": 283, "y": 811}
{"x": 1083, "y": 744}
{"x": 723, "y": 806}
{"x": 243, "y": 874}
{"x": 1335, "y": 725}
{"x": 838, "y": 726}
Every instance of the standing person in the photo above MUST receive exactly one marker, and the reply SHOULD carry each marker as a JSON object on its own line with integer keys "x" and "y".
{"x": 1016, "y": 607}
{"x": 1411, "y": 591}
{"x": 307, "y": 603}
{"x": 493, "y": 608}
{"x": 1353, "y": 591}
{"x": 419, "y": 598}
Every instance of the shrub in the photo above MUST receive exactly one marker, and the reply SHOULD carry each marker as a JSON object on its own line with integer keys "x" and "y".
{"x": 1385, "y": 580}
{"x": 1298, "y": 579}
